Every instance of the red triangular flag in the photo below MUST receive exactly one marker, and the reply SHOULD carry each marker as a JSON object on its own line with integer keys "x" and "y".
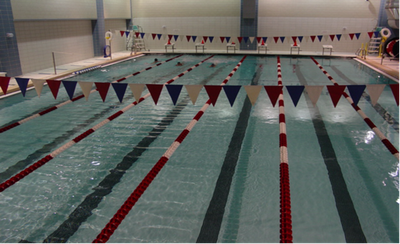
{"x": 137, "y": 34}
{"x": 294, "y": 38}
{"x": 155, "y": 91}
{"x": 259, "y": 39}
{"x": 54, "y": 86}
{"x": 170, "y": 37}
{"x": 262, "y": 42}
{"x": 240, "y": 39}
{"x": 213, "y": 92}
{"x": 122, "y": 33}
{"x": 332, "y": 37}
{"x": 335, "y": 92}
{"x": 222, "y": 39}
{"x": 395, "y": 91}
{"x": 370, "y": 34}
{"x": 312, "y": 38}
{"x": 154, "y": 36}
{"x": 188, "y": 38}
{"x": 102, "y": 88}
{"x": 351, "y": 35}
{"x": 276, "y": 38}
{"x": 205, "y": 38}
{"x": 273, "y": 93}
{"x": 4, "y": 81}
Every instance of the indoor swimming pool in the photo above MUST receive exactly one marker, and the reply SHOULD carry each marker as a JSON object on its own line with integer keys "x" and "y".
{"x": 222, "y": 184}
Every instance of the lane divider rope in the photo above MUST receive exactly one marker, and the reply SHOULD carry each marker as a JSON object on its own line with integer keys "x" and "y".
{"x": 13, "y": 125}
{"x": 77, "y": 139}
{"x": 116, "y": 220}
{"x": 285, "y": 205}
{"x": 393, "y": 150}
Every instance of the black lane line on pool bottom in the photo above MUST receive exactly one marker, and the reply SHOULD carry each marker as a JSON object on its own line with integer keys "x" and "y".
{"x": 47, "y": 148}
{"x": 378, "y": 108}
{"x": 348, "y": 216}
{"x": 84, "y": 210}
{"x": 215, "y": 212}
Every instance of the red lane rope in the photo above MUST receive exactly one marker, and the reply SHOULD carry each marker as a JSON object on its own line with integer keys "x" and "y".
{"x": 116, "y": 220}
{"x": 285, "y": 206}
{"x": 392, "y": 149}
{"x": 13, "y": 125}
{"x": 77, "y": 139}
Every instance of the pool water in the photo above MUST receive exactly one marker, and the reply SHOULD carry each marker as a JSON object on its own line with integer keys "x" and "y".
{"x": 344, "y": 182}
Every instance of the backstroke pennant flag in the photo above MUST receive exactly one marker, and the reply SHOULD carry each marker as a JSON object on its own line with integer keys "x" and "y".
{"x": 276, "y": 38}
{"x": 273, "y": 93}
{"x": 395, "y": 91}
{"x": 231, "y": 93}
{"x": 120, "y": 89}
{"x": 70, "y": 87}
{"x": 356, "y": 92}
{"x": 54, "y": 86}
{"x": 228, "y": 38}
{"x": 4, "y": 81}
{"x": 211, "y": 38}
{"x": 252, "y": 93}
{"x": 23, "y": 84}
{"x": 122, "y": 33}
{"x": 137, "y": 90}
{"x": 240, "y": 39}
{"x": 213, "y": 92}
{"x": 142, "y": 35}
{"x": 159, "y": 36}
{"x": 205, "y": 38}
{"x": 300, "y": 38}
{"x": 174, "y": 91}
{"x": 176, "y": 37}
{"x": 127, "y": 33}
{"x": 222, "y": 38}
{"x": 320, "y": 37}
{"x": 193, "y": 91}
{"x": 312, "y": 38}
{"x": 351, "y": 35}
{"x": 332, "y": 37}
{"x": 295, "y": 93}
{"x": 194, "y": 38}
{"x": 338, "y": 36}
{"x": 282, "y": 38}
{"x": 336, "y": 93}
{"x": 38, "y": 84}
{"x": 258, "y": 39}
{"x": 245, "y": 39}
{"x": 313, "y": 93}
{"x": 102, "y": 87}
{"x": 358, "y": 35}
{"x": 86, "y": 87}
{"x": 375, "y": 91}
{"x": 155, "y": 91}
{"x": 188, "y": 38}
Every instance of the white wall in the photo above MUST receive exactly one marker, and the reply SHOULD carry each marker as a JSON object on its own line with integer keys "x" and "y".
{"x": 118, "y": 43}
{"x": 187, "y": 17}
{"x": 317, "y": 17}
{"x": 71, "y": 40}
{"x": 53, "y": 9}
{"x": 117, "y": 9}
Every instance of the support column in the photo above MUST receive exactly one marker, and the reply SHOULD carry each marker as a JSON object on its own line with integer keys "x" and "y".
{"x": 9, "y": 55}
{"x": 248, "y": 23}
{"x": 98, "y": 25}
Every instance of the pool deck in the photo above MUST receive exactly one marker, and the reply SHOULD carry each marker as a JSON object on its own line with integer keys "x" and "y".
{"x": 388, "y": 67}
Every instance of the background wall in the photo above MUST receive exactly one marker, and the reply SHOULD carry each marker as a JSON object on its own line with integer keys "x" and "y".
{"x": 63, "y": 27}
{"x": 187, "y": 17}
{"x": 315, "y": 17}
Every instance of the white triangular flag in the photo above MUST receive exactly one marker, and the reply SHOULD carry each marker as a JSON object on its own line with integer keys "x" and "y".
{"x": 252, "y": 93}
{"x": 193, "y": 91}
{"x": 313, "y": 93}
{"x": 38, "y": 84}
{"x": 375, "y": 91}
{"x": 86, "y": 87}
{"x": 137, "y": 90}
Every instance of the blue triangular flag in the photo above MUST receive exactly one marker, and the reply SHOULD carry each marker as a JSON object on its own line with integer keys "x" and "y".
{"x": 376, "y": 33}
{"x": 356, "y": 92}
{"x": 338, "y": 36}
{"x": 70, "y": 87}
{"x": 246, "y": 39}
{"x": 159, "y": 36}
{"x": 211, "y": 38}
{"x": 176, "y": 37}
{"x": 194, "y": 38}
{"x": 320, "y": 37}
{"x": 142, "y": 35}
{"x": 120, "y": 89}
{"x": 300, "y": 38}
{"x": 127, "y": 33}
{"x": 282, "y": 38}
{"x": 23, "y": 84}
{"x": 357, "y": 35}
{"x": 231, "y": 93}
{"x": 174, "y": 91}
{"x": 265, "y": 39}
{"x": 295, "y": 93}
{"x": 227, "y": 39}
